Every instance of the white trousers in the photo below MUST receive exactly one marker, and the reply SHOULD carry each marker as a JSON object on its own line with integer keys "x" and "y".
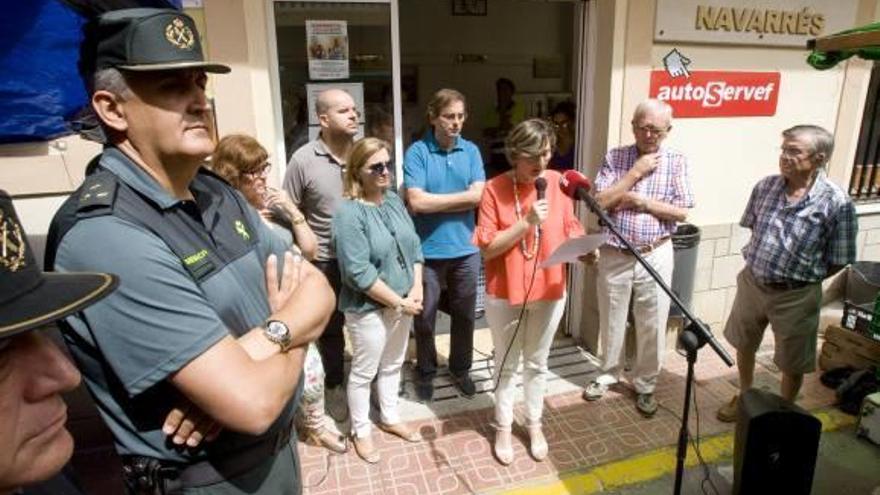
{"x": 620, "y": 276}
{"x": 378, "y": 344}
{"x": 532, "y": 342}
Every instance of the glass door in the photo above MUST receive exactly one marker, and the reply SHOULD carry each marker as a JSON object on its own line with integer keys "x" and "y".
{"x": 351, "y": 45}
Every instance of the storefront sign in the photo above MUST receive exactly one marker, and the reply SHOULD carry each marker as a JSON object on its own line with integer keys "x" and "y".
{"x": 766, "y": 22}
{"x": 717, "y": 93}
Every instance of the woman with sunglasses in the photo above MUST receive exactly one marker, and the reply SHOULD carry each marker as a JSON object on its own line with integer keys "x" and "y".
{"x": 380, "y": 259}
{"x": 241, "y": 160}
{"x": 515, "y": 232}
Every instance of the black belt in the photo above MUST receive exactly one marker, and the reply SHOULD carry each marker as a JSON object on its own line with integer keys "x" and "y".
{"x": 149, "y": 475}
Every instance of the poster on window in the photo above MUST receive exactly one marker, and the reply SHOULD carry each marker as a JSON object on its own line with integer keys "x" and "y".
{"x": 327, "y": 47}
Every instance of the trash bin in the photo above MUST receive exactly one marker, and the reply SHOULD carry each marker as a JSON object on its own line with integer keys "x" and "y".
{"x": 684, "y": 244}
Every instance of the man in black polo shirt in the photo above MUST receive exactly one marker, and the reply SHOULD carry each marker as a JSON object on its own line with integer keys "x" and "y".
{"x": 199, "y": 318}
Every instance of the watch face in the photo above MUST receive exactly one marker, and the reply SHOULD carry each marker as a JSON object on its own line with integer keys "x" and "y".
{"x": 277, "y": 329}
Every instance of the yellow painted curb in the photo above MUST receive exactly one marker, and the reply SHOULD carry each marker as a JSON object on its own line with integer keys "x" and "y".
{"x": 654, "y": 464}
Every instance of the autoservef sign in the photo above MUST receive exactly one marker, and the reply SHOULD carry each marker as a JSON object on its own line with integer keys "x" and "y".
{"x": 718, "y": 93}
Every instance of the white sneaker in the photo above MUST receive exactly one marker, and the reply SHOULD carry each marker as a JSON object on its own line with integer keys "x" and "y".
{"x": 595, "y": 390}
{"x": 336, "y": 403}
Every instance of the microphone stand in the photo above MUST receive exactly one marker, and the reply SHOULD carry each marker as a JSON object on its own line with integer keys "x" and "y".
{"x": 693, "y": 337}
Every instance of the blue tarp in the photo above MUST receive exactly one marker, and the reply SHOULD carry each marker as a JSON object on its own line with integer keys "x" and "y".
{"x": 39, "y": 84}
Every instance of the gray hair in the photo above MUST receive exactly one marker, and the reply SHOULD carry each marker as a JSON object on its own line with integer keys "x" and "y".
{"x": 111, "y": 80}
{"x": 653, "y": 106}
{"x": 528, "y": 139}
{"x": 821, "y": 141}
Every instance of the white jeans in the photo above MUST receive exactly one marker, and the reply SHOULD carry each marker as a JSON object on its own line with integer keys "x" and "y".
{"x": 532, "y": 342}
{"x": 378, "y": 344}
{"x": 620, "y": 276}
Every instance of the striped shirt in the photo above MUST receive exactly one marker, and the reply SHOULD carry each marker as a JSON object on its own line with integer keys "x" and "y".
{"x": 799, "y": 241}
{"x": 667, "y": 183}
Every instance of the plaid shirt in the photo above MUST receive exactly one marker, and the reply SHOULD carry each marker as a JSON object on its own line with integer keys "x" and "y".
{"x": 798, "y": 242}
{"x": 668, "y": 183}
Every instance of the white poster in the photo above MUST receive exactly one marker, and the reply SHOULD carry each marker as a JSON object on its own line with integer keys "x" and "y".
{"x": 327, "y": 47}
{"x": 356, "y": 90}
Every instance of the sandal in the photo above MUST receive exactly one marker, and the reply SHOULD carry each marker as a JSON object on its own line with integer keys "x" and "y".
{"x": 503, "y": 447}
{"x": 402, "y": 431}
{"x": 365, "y": 449}
{"x": 325, "y": 438}
{"x": 537, "y": 442}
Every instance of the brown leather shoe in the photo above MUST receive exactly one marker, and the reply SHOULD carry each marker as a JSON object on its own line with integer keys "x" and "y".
{"x": 729, "y": 412}
{"x": 324, "y": 438}
{"x": 402, "y": 431}
{"x": 365, "y": 449}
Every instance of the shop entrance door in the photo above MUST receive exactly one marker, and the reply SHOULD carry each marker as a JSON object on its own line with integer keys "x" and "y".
{"x": 352, "y": 45}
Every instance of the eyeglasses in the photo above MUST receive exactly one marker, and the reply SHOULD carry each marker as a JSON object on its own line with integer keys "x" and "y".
{"x": 792, "y": 152}
{"x": 261, "y": 172}
{"x": 645, "y": 129}
{"x": 380, "y": 168}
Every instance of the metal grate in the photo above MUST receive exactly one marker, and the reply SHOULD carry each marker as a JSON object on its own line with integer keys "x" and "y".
{"x": 864, "y": 184}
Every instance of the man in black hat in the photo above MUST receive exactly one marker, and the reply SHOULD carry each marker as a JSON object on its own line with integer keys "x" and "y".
{"x": 34, "y": 443}
{"x": 199, "y": 318}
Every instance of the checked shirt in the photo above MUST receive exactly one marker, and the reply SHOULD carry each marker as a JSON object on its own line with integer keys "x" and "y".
{"x": 667, "y": 183}
{"x": 799, "y": 241}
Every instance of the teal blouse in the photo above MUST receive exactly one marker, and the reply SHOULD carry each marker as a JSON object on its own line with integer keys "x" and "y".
{"x": 374, "y": 242}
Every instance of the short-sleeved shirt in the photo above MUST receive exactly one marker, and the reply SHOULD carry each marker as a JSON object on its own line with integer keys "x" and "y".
{"x": 374, "y": 242}
{"x": 314, "y": 182}
{"x": 668, "y": 183}
{"x": 159, "y": 319}
{"x": 509, "y": 274}
{"x": 798, "y": 241}
{"x": 429, "y": 167}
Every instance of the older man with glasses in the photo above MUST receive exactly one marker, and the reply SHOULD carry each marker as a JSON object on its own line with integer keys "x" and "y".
{"x": 645, "y": 188}
{"x": 803, "y": 231}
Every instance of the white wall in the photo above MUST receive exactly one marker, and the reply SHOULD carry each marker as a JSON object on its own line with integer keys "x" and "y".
{"x": 728, "y": 155}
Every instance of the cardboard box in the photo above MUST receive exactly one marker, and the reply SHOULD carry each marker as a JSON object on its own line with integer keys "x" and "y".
{"x": 843, "y": 347}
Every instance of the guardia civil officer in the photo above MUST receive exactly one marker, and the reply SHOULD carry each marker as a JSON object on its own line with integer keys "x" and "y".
{"x": 200, "y": 327}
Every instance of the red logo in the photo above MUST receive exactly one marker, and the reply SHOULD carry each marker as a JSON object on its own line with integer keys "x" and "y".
{"x": 717, "y": 93}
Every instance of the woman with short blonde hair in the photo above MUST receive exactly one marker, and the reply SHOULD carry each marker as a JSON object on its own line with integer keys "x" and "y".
{"x": 380, "y": 263}
{"x": 516, "y": 232}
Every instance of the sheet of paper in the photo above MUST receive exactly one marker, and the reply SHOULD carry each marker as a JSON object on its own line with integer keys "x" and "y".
{"x": 572, "y": 249}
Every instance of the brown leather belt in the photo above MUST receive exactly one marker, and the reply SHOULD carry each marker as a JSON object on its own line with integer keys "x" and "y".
{"x": 786, "y": 284}
{"x": 644, "y": 249}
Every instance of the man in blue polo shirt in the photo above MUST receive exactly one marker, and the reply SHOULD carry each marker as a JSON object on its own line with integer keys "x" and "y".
{"x": 444, "y": 178}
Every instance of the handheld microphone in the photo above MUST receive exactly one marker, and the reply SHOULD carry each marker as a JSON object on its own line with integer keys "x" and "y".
{"x": 541, "y": 187}
{"x": 541, "y": 190}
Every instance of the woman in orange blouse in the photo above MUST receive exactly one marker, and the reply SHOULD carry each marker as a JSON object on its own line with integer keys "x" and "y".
{"x": 515, "y": 233}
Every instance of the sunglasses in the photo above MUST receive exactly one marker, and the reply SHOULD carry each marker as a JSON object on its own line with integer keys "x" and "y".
{"x": 379, "y": 168}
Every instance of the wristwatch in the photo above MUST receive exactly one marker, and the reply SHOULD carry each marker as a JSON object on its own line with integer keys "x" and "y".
{"x": 278, "y": 332}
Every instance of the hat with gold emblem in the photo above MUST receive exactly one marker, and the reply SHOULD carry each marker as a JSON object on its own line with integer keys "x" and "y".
{"x": 146, "y": 39}
{"x": 30, "y": 298}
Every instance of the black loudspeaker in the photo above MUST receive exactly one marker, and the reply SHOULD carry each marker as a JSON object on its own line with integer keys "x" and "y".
{"x": 775, "y": 447}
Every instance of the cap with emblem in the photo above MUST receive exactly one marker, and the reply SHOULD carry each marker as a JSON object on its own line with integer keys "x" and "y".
{"x": 30, "y": 298}
{"x": 146, "y": 39}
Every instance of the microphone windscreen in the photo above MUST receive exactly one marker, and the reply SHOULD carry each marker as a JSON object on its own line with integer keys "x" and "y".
{"x": 541, "y": 187}
{"x": 571, "y": 181}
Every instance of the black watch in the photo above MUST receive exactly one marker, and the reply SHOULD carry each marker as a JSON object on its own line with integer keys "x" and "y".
{"x": 278, "y": 332}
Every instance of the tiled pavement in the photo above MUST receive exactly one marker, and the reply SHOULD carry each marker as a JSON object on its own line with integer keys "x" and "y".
{"x": 456, "y": 455}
